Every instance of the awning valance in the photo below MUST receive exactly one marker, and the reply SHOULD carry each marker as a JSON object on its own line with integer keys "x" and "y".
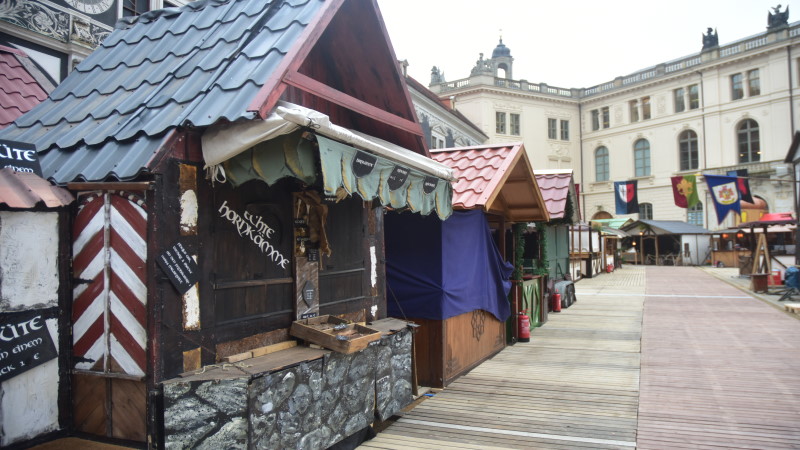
{"x": 272, "y": 149}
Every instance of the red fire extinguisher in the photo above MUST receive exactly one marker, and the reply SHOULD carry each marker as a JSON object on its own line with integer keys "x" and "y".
{"x": 523, "y": 327}
{"x": 556, "y": 302}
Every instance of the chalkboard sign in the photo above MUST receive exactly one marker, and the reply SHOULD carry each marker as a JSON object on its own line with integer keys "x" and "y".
{"x": 24, "y": 343}
{"x": 20, "y": 157}
{"x": 180, "y": 267}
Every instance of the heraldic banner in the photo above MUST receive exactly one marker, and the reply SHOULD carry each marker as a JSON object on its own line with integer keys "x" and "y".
{"x": 684, "y": 190}
{"x": 724, "y": 193}
{"x": 627, "y": 200}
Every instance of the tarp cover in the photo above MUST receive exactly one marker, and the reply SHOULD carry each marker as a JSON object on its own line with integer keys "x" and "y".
{"x": 437, "y": 270}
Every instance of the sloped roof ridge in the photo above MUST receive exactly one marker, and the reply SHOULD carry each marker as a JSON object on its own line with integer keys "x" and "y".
{"x": 479, "y": 147}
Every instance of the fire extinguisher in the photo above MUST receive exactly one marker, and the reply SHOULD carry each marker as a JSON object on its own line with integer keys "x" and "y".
{"x": 556, "y": 302}
{"x": 523, "y": 327}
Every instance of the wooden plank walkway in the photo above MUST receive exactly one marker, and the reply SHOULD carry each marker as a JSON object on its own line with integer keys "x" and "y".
{"x": 684, "y": 360}
{"x": 718, "y": 369}
{"x": 575, "y": 385}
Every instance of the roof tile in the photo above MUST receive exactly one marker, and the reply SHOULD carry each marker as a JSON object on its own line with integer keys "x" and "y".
{"x": 19, "y": 89}
{"x": 195, "y": 65}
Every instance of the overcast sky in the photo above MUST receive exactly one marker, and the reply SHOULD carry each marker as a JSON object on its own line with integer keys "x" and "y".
{"x": 579, "y": 43}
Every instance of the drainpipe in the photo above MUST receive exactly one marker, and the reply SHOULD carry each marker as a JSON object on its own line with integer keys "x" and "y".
{"x": 703, "y": 115}
{"x": 580, "y": 150}
{"x": 791, "y": 99}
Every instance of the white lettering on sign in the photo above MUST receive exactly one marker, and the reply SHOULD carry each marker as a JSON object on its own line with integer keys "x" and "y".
{"x": 13, "y": 331}
{"x": 253, "y": 227}
{"x": 8, "y": 152}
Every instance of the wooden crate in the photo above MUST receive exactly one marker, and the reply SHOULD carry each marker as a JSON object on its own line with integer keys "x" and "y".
{"x": 320, "y": 330}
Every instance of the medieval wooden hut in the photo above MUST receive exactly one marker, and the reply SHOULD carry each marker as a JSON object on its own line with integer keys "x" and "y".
{"x": 216, "y": 151}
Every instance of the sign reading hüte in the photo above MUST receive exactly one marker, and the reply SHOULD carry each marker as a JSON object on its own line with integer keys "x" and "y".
{"x": 20, "y": 157}
{"x": 24, "y": 344}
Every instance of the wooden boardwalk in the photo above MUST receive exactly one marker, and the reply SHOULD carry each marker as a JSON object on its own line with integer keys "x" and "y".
{"x": 718, "y": 369}
{"x": 682, "y": 360}
{"x": 575, "y": 385}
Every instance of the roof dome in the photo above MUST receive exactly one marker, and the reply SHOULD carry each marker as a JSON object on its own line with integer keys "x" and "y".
{"x": 501, "y": 50}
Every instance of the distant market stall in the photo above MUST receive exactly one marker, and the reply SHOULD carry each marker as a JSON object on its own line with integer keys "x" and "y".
{"x": 668, "y": 242}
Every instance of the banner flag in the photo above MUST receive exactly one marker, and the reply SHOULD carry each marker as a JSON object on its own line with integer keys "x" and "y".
{"x": 743, "y": 184}
{"x": 684, "y": 190}
{"x": 627, "y": 200}
{"x": 724, "y": 193}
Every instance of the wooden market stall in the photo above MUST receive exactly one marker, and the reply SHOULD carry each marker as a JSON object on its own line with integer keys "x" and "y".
{"x": 668, "y": 242}
{"x": 232, "y": 162}
{"x": 453, "y": 277}
{"x": 771, "y": 246}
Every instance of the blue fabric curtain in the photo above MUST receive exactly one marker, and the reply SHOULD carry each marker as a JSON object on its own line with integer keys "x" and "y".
{"x": 436, "y": 270}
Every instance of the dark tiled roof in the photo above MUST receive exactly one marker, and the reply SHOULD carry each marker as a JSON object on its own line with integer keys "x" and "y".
{"x": 22, "y": 85}
{"x": 190, "y": 66}
{"x": 26, "y": 190}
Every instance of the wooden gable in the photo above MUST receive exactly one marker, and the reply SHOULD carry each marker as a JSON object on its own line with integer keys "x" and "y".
{"x": 345, "y": 67}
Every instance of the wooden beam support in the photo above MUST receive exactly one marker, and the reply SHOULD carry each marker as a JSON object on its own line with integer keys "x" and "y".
{"x": 326, "y": 92}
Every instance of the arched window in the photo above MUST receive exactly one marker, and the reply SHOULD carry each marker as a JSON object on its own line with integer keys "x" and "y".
{"x": 695, "y": 214}
{"x": 601, "y": 164}
{"x": 645, "y": 211}
{"x": 748, "y": 140}
{"x": 641, "y": 156}
{"x": 687, "y": 145}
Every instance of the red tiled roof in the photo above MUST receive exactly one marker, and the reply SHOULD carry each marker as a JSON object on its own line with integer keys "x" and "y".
{"x": 19, "y": 89}
{"x": 25, "y": 190}
{"x": 495, "y": 177}
{"x": 555, "y": 187}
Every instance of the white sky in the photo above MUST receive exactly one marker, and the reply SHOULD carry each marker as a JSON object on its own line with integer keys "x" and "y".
{"x": 570, "y": 44}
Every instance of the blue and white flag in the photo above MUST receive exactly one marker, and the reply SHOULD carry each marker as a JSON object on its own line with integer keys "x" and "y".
{"x": 725, "y": 194}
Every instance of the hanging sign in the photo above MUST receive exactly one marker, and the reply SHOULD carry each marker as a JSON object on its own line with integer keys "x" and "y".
{"x": 363, "y": 164}
{"x": 429, "y": 185}
{"x": 24, "y": 343}
{"x": 397, "y": 178}
{"x": 180, "y": 267}
{"x": 20, "y": 157}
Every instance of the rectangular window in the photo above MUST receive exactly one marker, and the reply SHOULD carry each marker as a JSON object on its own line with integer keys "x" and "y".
{"x": 645, "y": 211}
{"x": 645, "y": 108}
{"x": 753, "y": 83}
{"x": 680, "y": 104}
{"x": 737, "y": 90}
{"x": 552, "y": 133}
{"x": 565, "y": 130}
{"x": 605, "y": 117}
{"x": 595, "y": 120}
{"x": 633, "y": 106}
{"x": 694, "y": 97}
{"x": 500, "y": 123}
{"x": 515, "y": 124}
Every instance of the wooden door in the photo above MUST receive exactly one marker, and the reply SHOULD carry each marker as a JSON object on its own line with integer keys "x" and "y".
{"x": 109, "y": 315}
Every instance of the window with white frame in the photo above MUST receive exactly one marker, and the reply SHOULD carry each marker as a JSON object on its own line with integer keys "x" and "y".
{"x": 565, "y": 130}
{"x": 694, "y": 215}
{"x": 552, "y": 129}
{"x": 753, "y": 83}
{"x": 747, "y": 137}
{"x": 679, "y": 99}
{"x": 633, "y": 106}
{"x": 641, "y": 156}
{"x": 687, "y": 150}
{"x": 645, "y": 211}
{"x": 595, "y": 119}
{"x": 500, "y": 122}
{"x": 694, "y": 96}
{"x": 601, "y": 166}
{"x": 737, "y": 86}
{"x": 514, "y": 125}
{"x": 606, "y": 117}
{"x": 646, "y": 108}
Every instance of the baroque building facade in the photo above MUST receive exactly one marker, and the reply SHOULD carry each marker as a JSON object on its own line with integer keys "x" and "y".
{"x": 724, "y": 108}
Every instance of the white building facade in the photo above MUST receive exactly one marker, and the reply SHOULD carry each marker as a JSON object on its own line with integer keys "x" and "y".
{"x": 725, "y": 108}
